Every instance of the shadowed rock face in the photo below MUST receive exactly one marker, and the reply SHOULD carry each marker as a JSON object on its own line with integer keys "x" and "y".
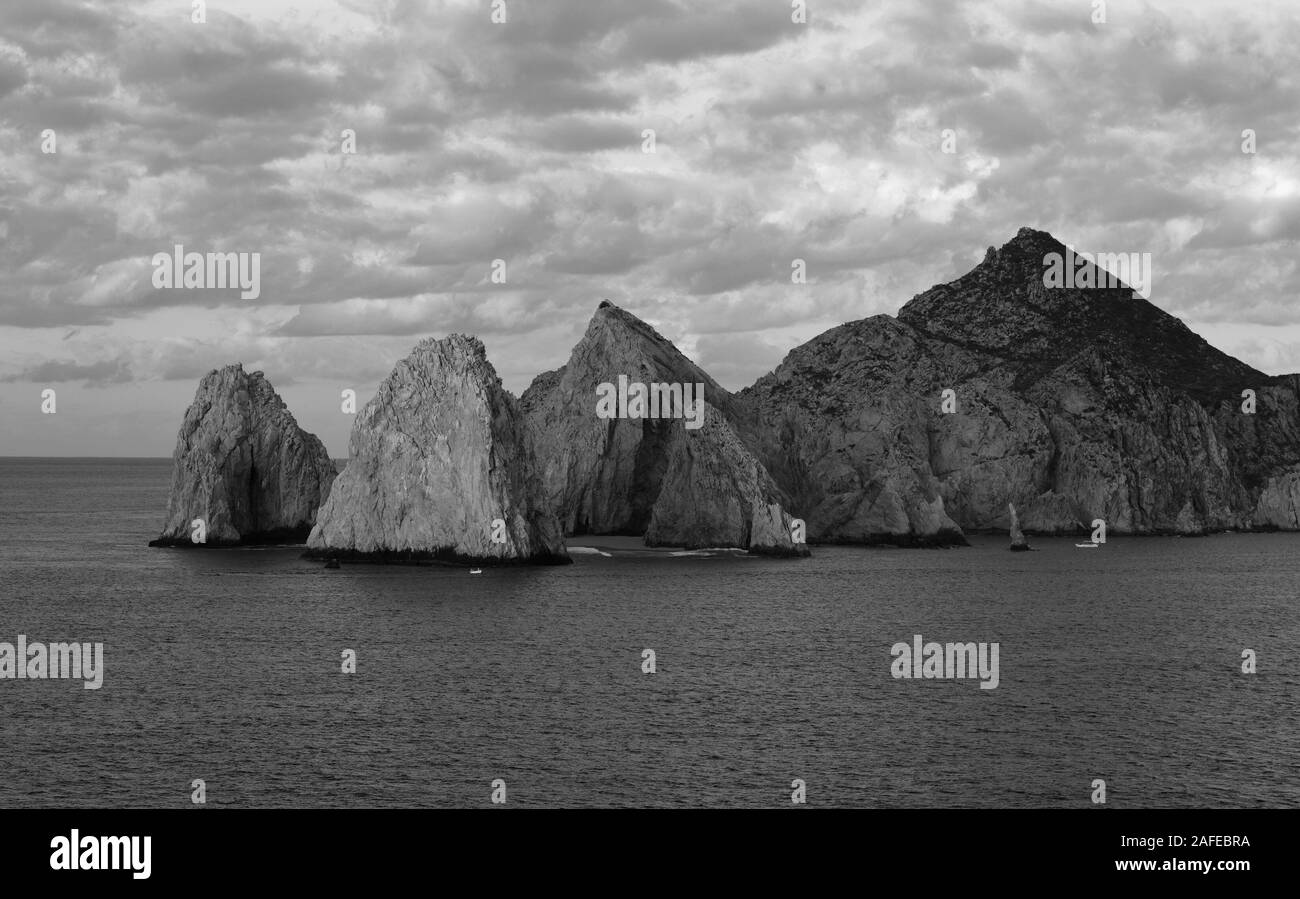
{"x": 654, "y": 477}
{"x": 844, "y": 431}
{"x": 714, "y": 493}
{"x": 1074, "y": 404}
{"x": 244, "y": 467}
{"x": 437, "y": 456}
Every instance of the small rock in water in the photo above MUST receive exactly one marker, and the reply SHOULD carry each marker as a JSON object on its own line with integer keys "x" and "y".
{"x": 1018, "y": 542}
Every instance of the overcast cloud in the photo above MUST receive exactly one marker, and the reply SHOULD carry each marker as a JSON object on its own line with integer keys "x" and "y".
{"x": 523, "y": 142}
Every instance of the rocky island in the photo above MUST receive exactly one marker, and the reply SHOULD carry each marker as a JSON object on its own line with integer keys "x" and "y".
{"x": 439, "y": 470}
{"x": 243, "y": 471}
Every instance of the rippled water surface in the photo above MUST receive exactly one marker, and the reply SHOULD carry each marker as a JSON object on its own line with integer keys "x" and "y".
{"x": 1122, "y": 663}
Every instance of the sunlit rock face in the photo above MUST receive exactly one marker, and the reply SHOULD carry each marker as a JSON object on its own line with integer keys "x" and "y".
{"x": 440, "y": 469}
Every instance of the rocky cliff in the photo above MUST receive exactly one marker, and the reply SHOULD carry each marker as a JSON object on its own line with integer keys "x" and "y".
{"x": 440, "y": 468}
{"x": 676, "y": 485}
{"x": 1072, "y": 404}
{"x": 243, "y": 467}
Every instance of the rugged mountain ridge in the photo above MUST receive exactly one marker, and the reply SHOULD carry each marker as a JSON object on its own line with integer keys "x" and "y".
{"x": 988, "y": 392}
{"x": 243, "y": 467}
{"x": 1073, "y": 404}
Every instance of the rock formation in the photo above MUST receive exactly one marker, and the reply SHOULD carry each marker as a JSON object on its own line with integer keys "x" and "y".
{"x": 1074, "y": 404}
{"x": 243, "y": 468}
{"x": 677, "y": 486}
{"x": 440, "y": 470}
{"x": 1018, "y": 541}
{"x": 844, "y": 431}
{"x": 714, "y": 493}
{"x": 1066, "y": 404}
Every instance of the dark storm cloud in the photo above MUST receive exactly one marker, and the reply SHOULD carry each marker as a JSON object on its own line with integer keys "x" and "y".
{"x": 1002, "y": 121}
{"x": 97, "y": 374}
{"x": 499, "y": 312}
{"x": 50, "y": 28}
{"x": 584, "y": 134}
{"x": 1043, "y": 19}
{"x": 13, "y": 71}
{"x": 1245, "y": 223}
{"x": 718, "y": 29}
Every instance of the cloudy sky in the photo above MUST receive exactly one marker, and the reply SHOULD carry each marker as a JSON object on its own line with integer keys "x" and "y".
{"x": 523, "y": 141}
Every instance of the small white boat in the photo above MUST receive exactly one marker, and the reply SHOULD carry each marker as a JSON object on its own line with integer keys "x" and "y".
{"x": 476, "y": 571}
{"x": 1086, "y": 545}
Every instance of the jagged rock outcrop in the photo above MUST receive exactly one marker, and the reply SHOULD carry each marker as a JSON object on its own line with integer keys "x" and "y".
{"x": 655, "y": 477}
{"x": 439, "y": 466}
{"x": 1074, "y": 404}
{"x": 243, "y": 467}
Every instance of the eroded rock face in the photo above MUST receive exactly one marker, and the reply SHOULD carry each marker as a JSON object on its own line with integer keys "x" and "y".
{"x": 439, "y": 466}
{"x": 845, "y": 433}
{"x": 714, "y": 493}
{"x": 1073, "y": 404}
{"x": 1278, "y": 505}
{"x": 675, "y": 485}
{"x": 243, "y": 467}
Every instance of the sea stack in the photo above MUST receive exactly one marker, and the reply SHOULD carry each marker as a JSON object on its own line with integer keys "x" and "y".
{"x": 243, "y": 471}
{"x": 675, "y": 476}
{"x": 1018, "y": 542}
{"x": 440, "y": 470}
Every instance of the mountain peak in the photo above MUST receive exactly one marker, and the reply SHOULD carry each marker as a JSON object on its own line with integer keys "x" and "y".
{"x": 1004, "y": 307}
{"x": 677, "y": 474}
{"x": 1025, "y": 250}
{"x": 611, "y": 321}
{"x": 1032, "y": 238}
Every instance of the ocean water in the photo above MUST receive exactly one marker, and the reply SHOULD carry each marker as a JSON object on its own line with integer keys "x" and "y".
{"x": 1121, "y": 663}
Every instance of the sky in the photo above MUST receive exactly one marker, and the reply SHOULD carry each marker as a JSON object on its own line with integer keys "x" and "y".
{"x": 886, "y": 145}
